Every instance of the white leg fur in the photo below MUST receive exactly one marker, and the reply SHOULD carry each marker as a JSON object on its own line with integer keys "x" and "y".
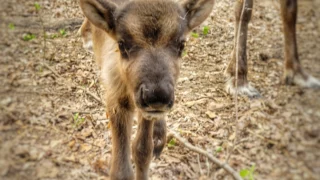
{"x": 309, "y": 82}
{"x": 245, "y": 90}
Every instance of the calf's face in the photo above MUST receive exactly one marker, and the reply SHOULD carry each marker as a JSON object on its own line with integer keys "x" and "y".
{"x": 150, "y": 36}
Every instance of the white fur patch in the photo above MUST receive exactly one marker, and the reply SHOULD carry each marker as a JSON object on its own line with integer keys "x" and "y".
{"x": 88, "y": 45}
{"x": 246, "y": 90}
{"x": 310, "y": 82}
{"x": 153, "y": 116}
{"x": 109, "y": 60}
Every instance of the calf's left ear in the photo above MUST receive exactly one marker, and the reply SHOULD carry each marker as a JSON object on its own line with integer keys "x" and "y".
{"x": 197, "y": 11}
{"x": 100, "y": 13}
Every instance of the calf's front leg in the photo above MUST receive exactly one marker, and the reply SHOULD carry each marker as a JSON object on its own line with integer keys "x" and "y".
{"x": 121, "y": 125}
{"x": 143, "y": 147}
{"x": 159, "y": 137}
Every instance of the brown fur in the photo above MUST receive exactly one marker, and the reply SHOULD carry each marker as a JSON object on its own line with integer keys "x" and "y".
{"x": 293, "y": 72}
{"x": 242, "y": 71}
{"x": 138, "y": 46}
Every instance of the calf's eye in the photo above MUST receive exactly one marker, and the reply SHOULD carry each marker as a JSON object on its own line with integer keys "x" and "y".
{"x": 124, "y": 48}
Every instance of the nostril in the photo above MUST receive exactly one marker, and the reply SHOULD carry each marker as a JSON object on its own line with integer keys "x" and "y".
{"x": 142, "y": 98}
{"x": 170, "y": 104}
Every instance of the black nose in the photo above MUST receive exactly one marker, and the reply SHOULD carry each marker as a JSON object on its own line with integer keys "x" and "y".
{"x": 157, "y": 97}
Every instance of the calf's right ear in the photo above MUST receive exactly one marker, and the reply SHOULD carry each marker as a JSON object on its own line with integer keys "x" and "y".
{"x": 100, "y": 13}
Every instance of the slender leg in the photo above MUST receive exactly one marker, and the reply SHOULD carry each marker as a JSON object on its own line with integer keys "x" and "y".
{"x": 244, "y": 87}
{"x": 293, "y": 72}
{"x": 121, "y": 125}
{"x": 143, "y": 147}
{"x": 159, "y": 137}
{"x": 289, "y": 18}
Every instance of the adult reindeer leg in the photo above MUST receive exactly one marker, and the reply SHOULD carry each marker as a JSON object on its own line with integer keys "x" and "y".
{"x": 289, "y": 18}
{"x": 293, "y": 72}
{"x": 240, "y": 45}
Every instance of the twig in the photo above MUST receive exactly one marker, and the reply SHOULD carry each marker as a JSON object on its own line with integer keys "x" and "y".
{"x": 208, "y": 167}
{"x": 236, "y": 80}
{"x": 48, "y": 67}
{"x": 90, "y": 93}
{"x": 263, "y": 138}
{"x": 199, "y": 164}
{"x": 242, "y": 153}
{"x": 225, "y": 166}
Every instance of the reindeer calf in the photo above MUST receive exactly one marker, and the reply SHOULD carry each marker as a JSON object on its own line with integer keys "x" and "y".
{"x": 138, "y": 45}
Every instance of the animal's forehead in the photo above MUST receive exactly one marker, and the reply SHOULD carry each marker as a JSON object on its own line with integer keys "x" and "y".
{"x": 153, "y": 22}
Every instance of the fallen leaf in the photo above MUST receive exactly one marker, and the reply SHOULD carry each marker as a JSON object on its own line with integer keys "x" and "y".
{"x": 100, "y": 142}
{"x": 256, "y": 104}
{"x": 85, "y": 147}
{"x": 287, "y": 114}
{"x": 71, "y": 143}
{"x": 192, "y": 103}
{"x": 211, "y": 114}
{"x": 86, "y": 132}
{"x": 214, "y": 106}
{"x": 232, "y": 136}
{"x": 47, "y": 169}
{"x": 71, "y": 158}
{"x": 54, "y": 143}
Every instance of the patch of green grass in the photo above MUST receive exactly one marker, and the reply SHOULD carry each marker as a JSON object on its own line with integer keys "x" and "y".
{"x": 62, "y": 32}
{"x": 184, "y": 53}
{"x": 218, "y": 149}
{"x": 41, "y": 69}
{"x": 53, "y": 36}
{"x": 205, "y": 30}
{"x": 248, "y": 173}
{"x": 28, "y": 37}
{"x": 195, "y": 35}
{"x": 172, "y": 143}
{"x": 77, "y": 120}
{"x": 37, "y": 6}
{"x": 11, "y": 26}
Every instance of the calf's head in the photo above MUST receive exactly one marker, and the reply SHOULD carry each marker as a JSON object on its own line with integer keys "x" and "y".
{"x": 151, "y": 36}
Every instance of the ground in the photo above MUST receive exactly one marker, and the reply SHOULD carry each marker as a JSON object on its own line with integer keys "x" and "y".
{"x": 52, "y": 127}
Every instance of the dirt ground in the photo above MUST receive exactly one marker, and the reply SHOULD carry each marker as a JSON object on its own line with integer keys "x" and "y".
{"x": 52, "y": 127}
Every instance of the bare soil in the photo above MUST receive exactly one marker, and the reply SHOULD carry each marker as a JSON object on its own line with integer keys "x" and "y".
{"x": 43, "y": 86}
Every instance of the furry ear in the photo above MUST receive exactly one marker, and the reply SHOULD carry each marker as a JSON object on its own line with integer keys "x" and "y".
{"x": 100, "y": 13}
{"x": 197, "y": 11}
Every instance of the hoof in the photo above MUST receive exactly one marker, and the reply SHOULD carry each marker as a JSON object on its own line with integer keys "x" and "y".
{"x": 304, "y": 81}
{"x": 243, "y": 90}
